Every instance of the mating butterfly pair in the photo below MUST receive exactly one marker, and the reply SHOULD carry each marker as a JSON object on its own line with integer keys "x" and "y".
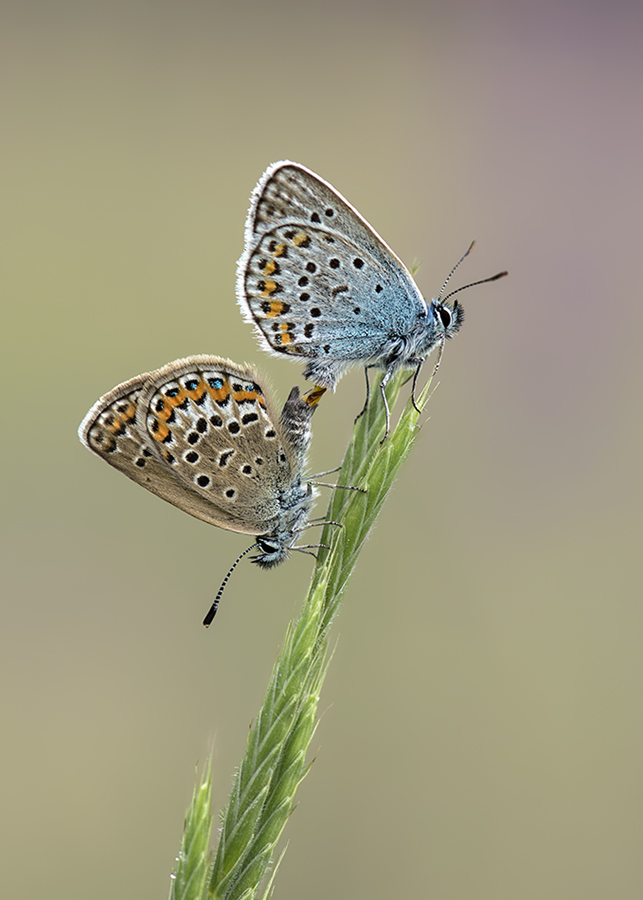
{"x": 318, "y": 283}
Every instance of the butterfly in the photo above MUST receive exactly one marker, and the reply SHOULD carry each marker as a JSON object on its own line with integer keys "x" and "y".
{"x": 202, "y": 433}
{"x": 318, "y": 282}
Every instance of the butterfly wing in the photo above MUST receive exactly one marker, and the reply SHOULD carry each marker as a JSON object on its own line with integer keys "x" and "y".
{"x": 201, "y": 434}
{"x": 212, "y": 425}
{"x": 316, "y": 280}
{"x": 110, "y": 431}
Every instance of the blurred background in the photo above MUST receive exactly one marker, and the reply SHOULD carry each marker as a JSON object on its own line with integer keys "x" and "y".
{"x": 482, "y": 732}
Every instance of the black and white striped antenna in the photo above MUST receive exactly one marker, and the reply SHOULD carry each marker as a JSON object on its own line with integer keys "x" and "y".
{"x": 213, "y": 609}
{"x": 440, "y": 302}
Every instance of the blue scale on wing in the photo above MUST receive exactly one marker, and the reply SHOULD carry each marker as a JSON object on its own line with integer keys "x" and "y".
{"x": 326, "y": 292}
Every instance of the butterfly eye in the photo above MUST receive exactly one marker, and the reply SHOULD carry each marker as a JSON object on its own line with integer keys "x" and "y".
{"x": 267, "y": 546}
{"x": 445, "y": 316}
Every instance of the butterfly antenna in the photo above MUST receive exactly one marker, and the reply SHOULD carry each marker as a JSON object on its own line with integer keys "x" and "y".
{"x": 448, "y": 278}
{"x": 213, "y": 609}
{"x": 474, "y": 283}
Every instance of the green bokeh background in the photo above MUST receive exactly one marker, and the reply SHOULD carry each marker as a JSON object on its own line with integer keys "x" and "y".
{"x": 482, "y": 735}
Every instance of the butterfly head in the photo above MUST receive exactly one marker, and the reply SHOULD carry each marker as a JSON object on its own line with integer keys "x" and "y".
{"x": 274, "y": 546}
{"x": 273, "y": 549}
{"x": 447, "y": 319}
{"x": 440, "y": 322}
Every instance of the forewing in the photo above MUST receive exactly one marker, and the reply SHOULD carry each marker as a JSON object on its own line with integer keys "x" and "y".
{"x": 110, "y": 431}
{"x": 210, "y": 421}
{"x": 315, "y": 278}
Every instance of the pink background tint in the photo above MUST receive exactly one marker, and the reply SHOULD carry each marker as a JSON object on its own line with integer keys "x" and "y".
{"x": 482, "y": 735}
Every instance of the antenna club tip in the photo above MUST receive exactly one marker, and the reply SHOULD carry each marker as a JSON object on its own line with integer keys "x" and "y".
{"x": 211, "y": 614}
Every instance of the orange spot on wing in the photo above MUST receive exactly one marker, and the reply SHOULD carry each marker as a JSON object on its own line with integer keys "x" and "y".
{"x": 197, "y": 392}
{"x": 287, "y": 337}
{"x": 276, "y": 309}
{"x": 242, "y": 395}
{"x": 168, "y": 405}
{"x": 116, "y": 426}
{"x": 120, "y": 419}
{"x": 161, "y": 432}
{"x": 269, "y": 288}
{"x": 178, "y": 400}
{"x": 300, "y": 239}
{"x": 279, "y": 250}
{"x": 221, "y": 393}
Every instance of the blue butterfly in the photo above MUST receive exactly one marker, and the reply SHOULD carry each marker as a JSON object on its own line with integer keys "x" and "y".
{"x": 318, "y": 282}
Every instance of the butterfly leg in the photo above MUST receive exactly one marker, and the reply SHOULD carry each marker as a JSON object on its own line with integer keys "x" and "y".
{"x": 341, "y": 487}
{"x": 327, "y": 472}
{"x": 383, "y": 383}
{"x": 306, "y": 548}
{"x": 420, "y": 363}
{"x": 439, "y": 359}
{"x": 416, "y": 374}
{"x": 368, "y": 393}
{"x": 314, "y": 524}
